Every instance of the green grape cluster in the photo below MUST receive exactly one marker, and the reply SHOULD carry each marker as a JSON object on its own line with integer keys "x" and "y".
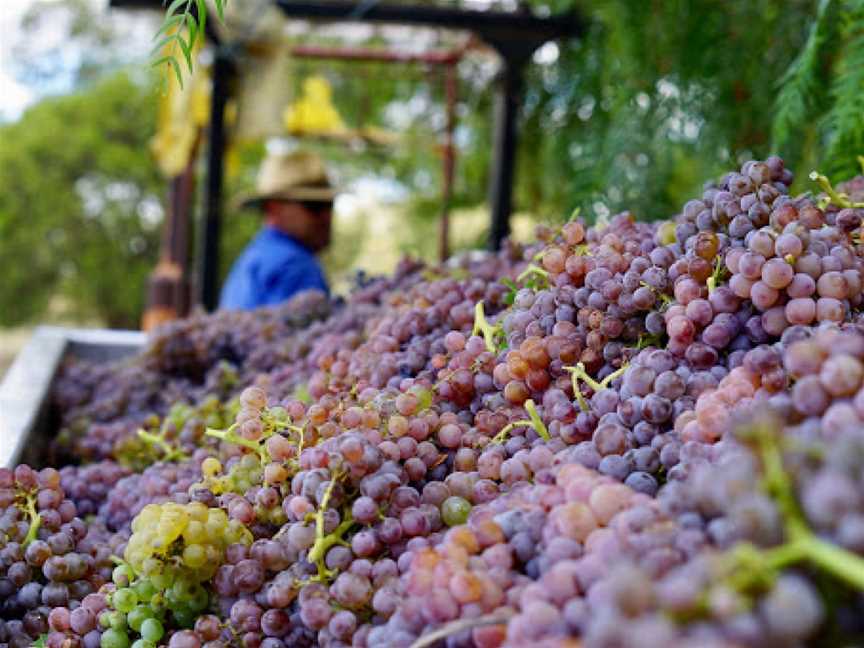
{"x": 182, "y": 541}
{"x": 242, "y": 476}
{"x": 173, "y": 551}
{"x": 172, "y": 439}
{"x": 136, "y": 612}
{"x": 138, "y": 609}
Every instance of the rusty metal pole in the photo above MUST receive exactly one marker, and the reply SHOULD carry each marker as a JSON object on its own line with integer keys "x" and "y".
{"x": 451, "y": 88}
{"x": 507, "y": 99}
{"x": 209, "y": 240}
{"x": 168, "y": 288}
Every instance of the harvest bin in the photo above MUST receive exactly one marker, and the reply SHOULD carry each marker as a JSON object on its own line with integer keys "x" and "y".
{"x": 25, "y": 392}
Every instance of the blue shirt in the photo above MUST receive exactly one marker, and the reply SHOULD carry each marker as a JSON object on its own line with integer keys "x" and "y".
{"x": 272, "y": 268}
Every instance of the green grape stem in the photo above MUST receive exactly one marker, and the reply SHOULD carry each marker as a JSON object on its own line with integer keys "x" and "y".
{"x": 665, "y": 300}
{"x": 534, "y": 421}
{"x": 532, "y": 269}
{"x": 324, "y": 542}
{"x": 803, "y": 543}
{"x": 482, "y": 326}
{"x": 717, "y": 275}
{"x": 229, "y": 437}
{"x": 843, "y": 564}
{"x": 35, "y": 519}
{"x": 838, "y": 198}
{"x": 578, "y": 372}
{"x": 302, "y": 438}
{"x": 158, "y": 440}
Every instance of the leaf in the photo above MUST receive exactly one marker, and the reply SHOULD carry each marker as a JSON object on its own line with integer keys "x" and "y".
{"x": 220, "y": 9}
{"x": 510, "y": 297}
{"x": 157, "y": 48}
{"x": 169, "y": 22}
{"x": 171, "y": 61}
{"x": 192, "y": 27}
{"x": 177, "y": 71}
{"x": 172, "y": 8}
{"x": 186, "y": 48}
{"x": 202, "y": 18}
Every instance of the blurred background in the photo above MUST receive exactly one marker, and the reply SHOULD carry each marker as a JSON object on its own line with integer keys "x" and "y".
{"x": 647, "y": 104}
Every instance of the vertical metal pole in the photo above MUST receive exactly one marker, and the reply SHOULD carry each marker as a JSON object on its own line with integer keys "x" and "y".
{"x": 168, "y": 284}
{"x": 449, "y": 155}
{"x": 208, "y": 253}
{"x": 507, "y": 98}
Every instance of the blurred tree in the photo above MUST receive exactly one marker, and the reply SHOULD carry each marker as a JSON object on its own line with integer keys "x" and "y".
{"x": 658, "y": 98}
{"x": 80, "y": 203}
{"x": 653, "y": 101}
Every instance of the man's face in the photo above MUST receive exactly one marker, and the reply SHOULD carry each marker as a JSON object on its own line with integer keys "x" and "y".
{"x": 310, "y": 222}
{"x": 319, "y": 223}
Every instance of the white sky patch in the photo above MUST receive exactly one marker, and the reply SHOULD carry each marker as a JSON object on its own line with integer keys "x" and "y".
{"x": 21, "y": 86}
{"x": 14, "y": 96}
{"x": 547, "y": 54}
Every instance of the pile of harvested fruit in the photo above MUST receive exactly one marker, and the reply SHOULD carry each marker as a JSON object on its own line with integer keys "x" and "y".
{"x": 625, "y": 435}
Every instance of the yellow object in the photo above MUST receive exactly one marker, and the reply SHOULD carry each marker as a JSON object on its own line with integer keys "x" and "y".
{"x": 182, "y": 112}
{"x": 314, "y": 112}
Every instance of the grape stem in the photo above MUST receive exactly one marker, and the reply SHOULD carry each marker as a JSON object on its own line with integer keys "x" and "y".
{"x": 158, "y": 440}
{"x": 324, "y": 542}
{"x": 35, "y": 519}
{"x": 578, "y": 372}
{"x": 482, "y": 326}
{"x": 665, "y": 300}
{"x": 455, "y": 627}
{"x": 843, "y": 564}
{"x": 716, "y": 275}
{"x": 838, "y": 198}
{"x": 803, "y": 543}
{"x": 229, "y": 436}
{"x": 533, "y": 421}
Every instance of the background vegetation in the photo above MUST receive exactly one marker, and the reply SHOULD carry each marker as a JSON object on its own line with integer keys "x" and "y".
{"x": 655, "y": 100}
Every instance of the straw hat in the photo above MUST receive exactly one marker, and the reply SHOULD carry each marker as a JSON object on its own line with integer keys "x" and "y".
{"x": 297, "y": 176}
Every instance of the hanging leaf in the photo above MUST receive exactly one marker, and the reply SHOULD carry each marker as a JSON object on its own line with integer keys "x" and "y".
{"x": 179, "y": 16}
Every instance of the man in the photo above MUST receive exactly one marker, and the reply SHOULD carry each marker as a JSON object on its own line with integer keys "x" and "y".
{"x": 296, "y": 198}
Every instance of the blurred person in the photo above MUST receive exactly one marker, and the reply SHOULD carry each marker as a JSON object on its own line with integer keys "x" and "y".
{"x": 295, "y": 197}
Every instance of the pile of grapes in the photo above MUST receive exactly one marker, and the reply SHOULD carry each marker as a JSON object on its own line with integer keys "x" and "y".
{"x": 624, "y": 435}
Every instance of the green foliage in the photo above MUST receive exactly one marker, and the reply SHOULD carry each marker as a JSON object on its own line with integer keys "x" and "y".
{"x": 844, "y": 122}
{"x": 170, "y": 36}
{"x": 80, "y": 204}
{"x": 797, "y": 88}
{"x": 651, "y": 102}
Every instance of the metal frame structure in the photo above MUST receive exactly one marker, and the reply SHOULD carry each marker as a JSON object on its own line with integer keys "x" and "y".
{"x": 447, "y": 60}
{"x": 25, "y": 390}
{"x": 515, "y": 36}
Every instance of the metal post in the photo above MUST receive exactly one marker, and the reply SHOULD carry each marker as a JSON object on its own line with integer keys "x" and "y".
{"x": 451, "y": 84}
{"x": 507, "y": 98}
{"x": 168, "y": 284}
{"x": 208, "y": 253}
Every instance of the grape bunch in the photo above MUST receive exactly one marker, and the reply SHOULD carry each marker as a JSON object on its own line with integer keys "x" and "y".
{"x": 625, "y": 434}
{"x": 49, "y": 557}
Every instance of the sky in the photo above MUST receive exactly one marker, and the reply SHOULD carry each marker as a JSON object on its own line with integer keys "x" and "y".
{"x": 56, "y": 52}
{"x": 14, "y": 96}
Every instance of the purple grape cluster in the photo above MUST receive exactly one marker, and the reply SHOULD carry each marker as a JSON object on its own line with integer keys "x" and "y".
{"x": 49, "y": 558}
{"x": 628, "y": 434}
